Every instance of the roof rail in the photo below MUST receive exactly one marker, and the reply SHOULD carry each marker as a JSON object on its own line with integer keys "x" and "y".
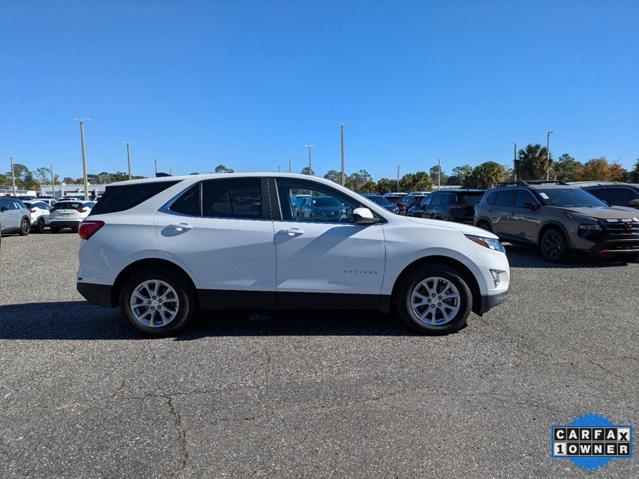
{"x": 532, "y": 182}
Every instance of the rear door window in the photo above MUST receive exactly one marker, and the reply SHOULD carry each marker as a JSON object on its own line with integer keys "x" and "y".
{"x": 523, "y": 197}
{"x": 189, "y": 203}
{"x": 239, "y": 198}
{"x": 506, "y": 198}
{"x": 121, "y": 198}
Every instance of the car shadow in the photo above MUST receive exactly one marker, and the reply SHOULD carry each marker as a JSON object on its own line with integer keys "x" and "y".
{"x": 529, "y": 257}
{"x": 80, "y": 320}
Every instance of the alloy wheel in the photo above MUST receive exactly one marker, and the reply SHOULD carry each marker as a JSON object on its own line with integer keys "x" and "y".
{"x": 154, "y": 303}
{"x": 435, "y": 301}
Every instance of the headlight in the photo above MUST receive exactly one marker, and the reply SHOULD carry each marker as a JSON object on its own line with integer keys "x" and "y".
{"x": 590, "y": 227}
{"x": 489, "y": 243}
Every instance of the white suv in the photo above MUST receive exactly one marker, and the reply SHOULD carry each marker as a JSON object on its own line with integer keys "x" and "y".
{"x": 69, "y": 214}
{"x": 163, "y": 248}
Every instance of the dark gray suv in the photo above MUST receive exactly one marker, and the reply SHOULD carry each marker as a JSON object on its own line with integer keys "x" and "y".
{"x": 558, "y": 218}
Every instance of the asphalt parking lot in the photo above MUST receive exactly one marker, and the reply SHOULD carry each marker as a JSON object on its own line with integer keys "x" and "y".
{"x": 310, "y": 395}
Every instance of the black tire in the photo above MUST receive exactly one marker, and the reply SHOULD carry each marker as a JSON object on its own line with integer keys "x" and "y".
{"x": 25, "y": 227}
{"x": 411, "y": 280}
{"x": 483, "y": 224}
{"x": 38, "y": 227}
{"x": 626, "y": 257}
{"x": 185, "y": 294}
{"x": 553, "y": 246}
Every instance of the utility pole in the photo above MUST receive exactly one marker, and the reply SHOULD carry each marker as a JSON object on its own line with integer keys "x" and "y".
{"x": 439, "y": 174}
{"x": 52, "y": 183}
{"x": 13, "y": 176}
{"x": 514, "y": 161}
{"x": 155, "y": 162}
{"x": 128, "y": 155}
{"x": 548, "y": 153}
{"x": 398, "y": 167}
{"x": 341, "y": 130}
{"x": 84, "y": 157}
{"x": 310, "y": 157}
{"x": 289, "y": 165}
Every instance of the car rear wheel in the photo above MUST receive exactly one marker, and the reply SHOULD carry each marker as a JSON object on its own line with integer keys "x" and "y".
{"x": 25, "y": 227}
{"x": 554, "y": 247}
{"x": 157, "y": 302}
{"x": 39, "y": 225}
{"x": 434, "y": 299}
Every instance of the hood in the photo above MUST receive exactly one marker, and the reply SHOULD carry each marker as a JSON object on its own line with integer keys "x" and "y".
{"x": 465, "y": 229}
{"x": 604, "y": 212}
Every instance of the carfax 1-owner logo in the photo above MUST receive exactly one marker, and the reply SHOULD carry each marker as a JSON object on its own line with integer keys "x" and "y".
{"x": 591, "y": 441}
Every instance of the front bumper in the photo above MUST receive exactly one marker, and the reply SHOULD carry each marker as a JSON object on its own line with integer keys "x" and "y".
{"x": 99, "y": 294}
{"x": 489, "y": 302}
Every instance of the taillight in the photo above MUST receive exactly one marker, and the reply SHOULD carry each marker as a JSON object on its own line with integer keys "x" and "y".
{"x": 89, "y": 228}
{"x": 80, "y": 210}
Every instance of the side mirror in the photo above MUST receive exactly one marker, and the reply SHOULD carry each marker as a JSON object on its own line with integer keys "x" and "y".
{"x": 363, "y": 216}
{"x": 530, "y": 205}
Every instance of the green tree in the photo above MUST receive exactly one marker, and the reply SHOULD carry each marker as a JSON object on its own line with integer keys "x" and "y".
{"x": 223, "y": 169}
{"x": 599, "y": 169}
{"x": 460, "y": 173}
{"x": 486, "y": 175}
{"x": 633, "y": 176}
{"x": 566, "y": 168}
{"x": 67, "y": 180}
{"x": 356, "y": 181}
{"x": 307, "y": 171}
{"x": 533, "y": 163}
{"x": 418, "y": 181}
{"x": 4, "y": 181}
{"x": 442, "y": 175}
{"x": 385, "y": 185}
{"x": 43, "y": 174}
{"x": 334, "y": 175}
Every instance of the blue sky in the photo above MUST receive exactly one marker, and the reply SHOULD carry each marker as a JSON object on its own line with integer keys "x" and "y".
{"x": 249, "y": 83}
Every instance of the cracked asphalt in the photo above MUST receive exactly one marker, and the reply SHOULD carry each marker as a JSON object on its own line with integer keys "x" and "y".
{"x": 310, "y": 395}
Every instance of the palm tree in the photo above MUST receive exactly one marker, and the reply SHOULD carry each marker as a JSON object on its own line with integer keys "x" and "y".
{"x": 533, "y": 163}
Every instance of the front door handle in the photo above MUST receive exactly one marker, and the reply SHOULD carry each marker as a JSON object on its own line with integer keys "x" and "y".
{"x": 294, "y": 231}
{"x": 181, "y": 227}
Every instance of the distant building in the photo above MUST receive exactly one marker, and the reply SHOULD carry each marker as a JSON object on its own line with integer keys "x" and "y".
{"x": 75, "y": 190}
{"x": 19, "y": 193}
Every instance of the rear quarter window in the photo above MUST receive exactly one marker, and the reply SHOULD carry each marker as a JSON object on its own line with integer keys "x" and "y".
{"x": 121, "y": 198}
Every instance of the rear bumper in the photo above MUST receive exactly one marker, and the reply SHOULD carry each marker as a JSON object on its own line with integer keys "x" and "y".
{"x": 65, "y": 223}
{"x": 99, "y": 294}
{"x": 489, "y": 302}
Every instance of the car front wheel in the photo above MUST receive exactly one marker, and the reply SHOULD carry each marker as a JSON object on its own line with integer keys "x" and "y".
{"x": 553, "y": 246}
{"x": 157, "y": 302}
{"x": 434, "y": 299}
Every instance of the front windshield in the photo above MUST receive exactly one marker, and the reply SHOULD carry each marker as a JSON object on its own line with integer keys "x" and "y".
{"x": 570, "y": 197}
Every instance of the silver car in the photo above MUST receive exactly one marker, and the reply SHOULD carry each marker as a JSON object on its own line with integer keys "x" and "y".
{"x": 14, "y": 216}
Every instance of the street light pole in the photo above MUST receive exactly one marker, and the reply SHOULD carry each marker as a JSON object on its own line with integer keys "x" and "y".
{"x": 13, "y": 176}
{"x": 398, "y": 167}
{"x": 310, "y": 158}
{"x": 548, "y": 153}
{"x": 84, "y": 158}
{"x": 341, "y": 130}
{"x": 514, "y": 161}
{"x": 128, "y": 155}
{"x": 439, "y": 174}
{"x": 52, "y": 183}
{"x": 289, "y": 165}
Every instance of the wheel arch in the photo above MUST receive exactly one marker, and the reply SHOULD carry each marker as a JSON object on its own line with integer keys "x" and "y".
{"x": 463, "y": 270}
{"x": 144, "y": 263}
{"x": 553, "y": 224}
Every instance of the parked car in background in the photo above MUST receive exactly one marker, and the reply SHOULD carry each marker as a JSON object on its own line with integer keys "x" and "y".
{"x": 69, "y": 214}
{"x": 48, "y": 201}
{"x": 617, "y": 194}
{"x": 449, "y": 205}
{"x": 414, "y": 198}
{"x": 558, "y": 218}
{"x": 320, "y": 208}
{"x": 14, "y": 216}
{"x": 39, "y": 212}
{"x": 162, "y": 248}
{"x": 383, "y": 202}
{"x": 398, "y": 199}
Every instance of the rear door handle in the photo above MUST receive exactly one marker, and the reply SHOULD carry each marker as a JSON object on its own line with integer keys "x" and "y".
{"x": 181, "y": 226}
{"x": 294, "y": 231}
